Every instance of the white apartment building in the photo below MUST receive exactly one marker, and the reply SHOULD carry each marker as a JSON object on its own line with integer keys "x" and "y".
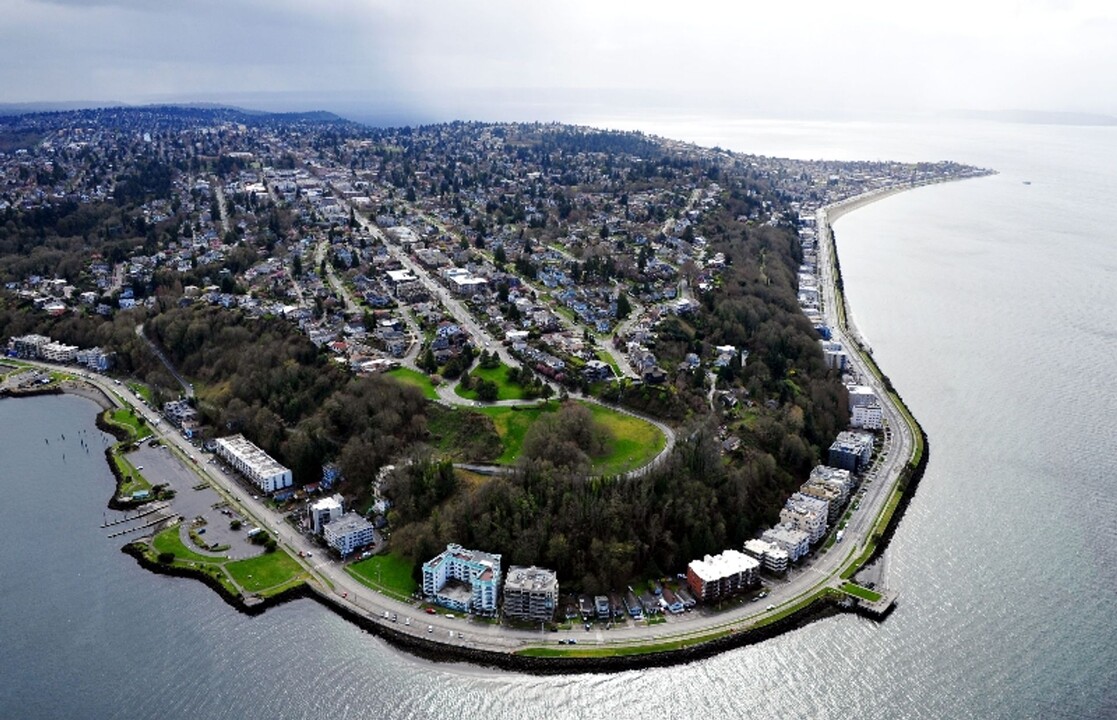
{"x": 806, "y": 513}
{"x": 867, "y": 417}
{"x": 255, "y": 464}
{"x": 348, "y": 533}
{"x": 772, "y": 557}
{"x": 324, "y": 511}
{"x": 795, "y": 543}
{"x": 463, "y": 580}
{"x": 716, "y": 576}
{"x": 58, "y": 352}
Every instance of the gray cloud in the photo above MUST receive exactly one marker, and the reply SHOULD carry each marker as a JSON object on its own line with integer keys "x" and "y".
{"x": 467, "y": 58}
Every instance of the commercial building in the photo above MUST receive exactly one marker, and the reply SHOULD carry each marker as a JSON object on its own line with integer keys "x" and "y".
{"x": 795, "y": 543}
{"x": 772, "y": 557}
{"x": 464, "y": 580}
{"x": 348, "y": 533}
{"x": 255, "y": 464}
{"x": 851, "y": 451}
{"x": 324, "y": 511}
{"x": 530, "y": 593}
{"x": 717, "y": 576}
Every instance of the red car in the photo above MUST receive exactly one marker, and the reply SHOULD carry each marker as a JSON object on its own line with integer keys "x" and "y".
{"x": 431, "y": 611}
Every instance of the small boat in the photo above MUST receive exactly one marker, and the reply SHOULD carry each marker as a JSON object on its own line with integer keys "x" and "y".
{"x": 1027, "y": 182}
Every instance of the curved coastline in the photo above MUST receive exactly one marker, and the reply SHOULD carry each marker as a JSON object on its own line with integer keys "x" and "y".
{"x": 822, "y": 602}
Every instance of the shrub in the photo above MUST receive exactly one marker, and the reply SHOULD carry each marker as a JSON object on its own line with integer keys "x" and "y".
{"x": 166, "y": 558}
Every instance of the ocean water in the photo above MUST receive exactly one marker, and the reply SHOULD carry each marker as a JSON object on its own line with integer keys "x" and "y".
{"x": 988, "y": 303}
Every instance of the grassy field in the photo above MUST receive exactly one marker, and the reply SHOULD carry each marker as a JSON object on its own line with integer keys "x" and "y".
{"x": 634, "y": 441}
{"x": 128, "y": 419}
{"x": 387, "y": 573}
{"x": 134, "y": 479}
{"x": 265, "y": 572}
{"x": 416, "y": 379}
{"x": 264, "y": 575}
{"x": 860, "y": 592}
{"x": 512, "y": 425}
{"x": 498, "y": 375}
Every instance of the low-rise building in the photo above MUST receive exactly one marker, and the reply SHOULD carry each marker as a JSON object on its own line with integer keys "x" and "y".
{"x": 27, "y": 346}
{"x": 717, "y": 576}
{"x": 530, "y": 593}
{"x": 867, "y": 417}
{"x": 178, "y": 412}
{"x": 463, "y": 580}
{"x": 58, "y": 352}
{"x": 324, "y": 511}
{"x": 851, "y": 451}
{"x": 795, "y": 543}
{"x": 861, "y": 395}
{"x": 806, "y": 513}
{"x": 255, "y": 464}
{"x": 95, "y": 359}
{"x": 772, "y": 557}
{"x": 348, "y": 533}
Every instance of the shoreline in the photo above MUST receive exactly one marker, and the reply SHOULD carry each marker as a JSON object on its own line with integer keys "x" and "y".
{"x": 819, "y": 602}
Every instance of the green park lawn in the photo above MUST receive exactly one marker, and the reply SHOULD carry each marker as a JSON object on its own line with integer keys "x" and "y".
{"x": 498, "y": 375}
{"x": 265, "y": 574}
{"x": 274, "y": 570}
{"x": 128, "y": 419}
{"x": 386, "y": 573}
{"x": 512, "y": 425}
{"x": 416, "y": 379}
{"x": 634, "y": 442}
{"x": 134, "y": 480}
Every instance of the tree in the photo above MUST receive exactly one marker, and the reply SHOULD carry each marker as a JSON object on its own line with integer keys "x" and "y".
{"x": 624, "y": 307}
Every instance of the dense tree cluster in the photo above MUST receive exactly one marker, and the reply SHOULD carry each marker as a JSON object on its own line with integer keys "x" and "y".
{"x": 263, "y": 378}
{"x": 598, "y": 533}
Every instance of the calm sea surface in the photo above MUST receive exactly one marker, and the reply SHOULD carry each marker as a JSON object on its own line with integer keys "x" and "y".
{"x": 990, "y": 305}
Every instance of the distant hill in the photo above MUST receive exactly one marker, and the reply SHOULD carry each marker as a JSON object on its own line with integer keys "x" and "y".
{"x": 186, "y": 110}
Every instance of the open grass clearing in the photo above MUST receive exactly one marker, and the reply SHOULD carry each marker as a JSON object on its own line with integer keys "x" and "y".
{"x": 634, "y": 442}
{"x": 415, "y": 379}
{"x": 512, "y": 424}
{"x": 387, "y": 573}
{"x": 498, "y": 375}
{"x": 128, "y": 419}
{"x": 264, "y": 572}
{"x": 134, "y": 481}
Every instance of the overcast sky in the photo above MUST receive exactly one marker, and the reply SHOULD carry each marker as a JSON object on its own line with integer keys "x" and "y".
{"x": 538, "y": 59}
